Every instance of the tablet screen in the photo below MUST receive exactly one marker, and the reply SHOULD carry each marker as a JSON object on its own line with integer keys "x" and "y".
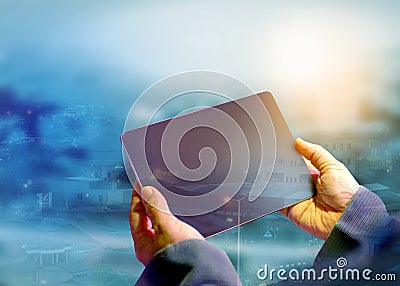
{"x": 222, "y": 166}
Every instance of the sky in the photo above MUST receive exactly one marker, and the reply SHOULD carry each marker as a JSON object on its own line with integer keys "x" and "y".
{"x": 332, "y": 66}
{"x": 106, "y": 53}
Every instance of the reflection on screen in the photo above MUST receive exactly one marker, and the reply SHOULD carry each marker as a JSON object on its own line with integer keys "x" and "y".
{"x": 221, "y": 166}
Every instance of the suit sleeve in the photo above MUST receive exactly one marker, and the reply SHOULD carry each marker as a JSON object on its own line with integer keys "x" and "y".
{"x": 189, "y": 262}
{"x": 365, "y": 235}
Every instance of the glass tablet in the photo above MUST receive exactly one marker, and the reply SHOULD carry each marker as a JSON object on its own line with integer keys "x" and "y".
{"x": 222, "y": 166}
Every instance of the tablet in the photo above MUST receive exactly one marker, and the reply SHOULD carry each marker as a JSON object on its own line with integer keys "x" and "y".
{"x": 221, "y": 166}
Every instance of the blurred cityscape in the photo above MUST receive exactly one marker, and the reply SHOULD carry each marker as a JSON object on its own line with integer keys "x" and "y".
{"x": 70, "y": 71}
{"x": 64, "y": 207}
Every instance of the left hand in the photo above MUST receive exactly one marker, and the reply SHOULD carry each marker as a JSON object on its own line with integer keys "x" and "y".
{"x": 151, "y": 227}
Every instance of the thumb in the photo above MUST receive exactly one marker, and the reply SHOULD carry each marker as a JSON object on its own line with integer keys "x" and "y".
{"x": 156, "y": 206}
{"x": 315, "y": 153}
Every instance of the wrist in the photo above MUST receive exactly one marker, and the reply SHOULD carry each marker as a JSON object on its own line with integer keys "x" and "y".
{"x": 364, "y": 215}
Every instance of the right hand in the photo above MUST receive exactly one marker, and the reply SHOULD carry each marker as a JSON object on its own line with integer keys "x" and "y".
{"x": 335, "y": 189}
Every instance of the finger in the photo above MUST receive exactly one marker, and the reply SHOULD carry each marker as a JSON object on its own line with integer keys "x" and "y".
{"x": 138, "y": 220}
{"x": 284, "y": 211}
{"x": 315, "y": 153}
{"x": 313, "y": 171}
{"x": 310, "y": 166}
{"x": 137, "y": 187}
{"x": 156, "y": 207}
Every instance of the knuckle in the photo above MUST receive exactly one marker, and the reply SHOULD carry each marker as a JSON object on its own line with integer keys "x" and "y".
{"x": 318, "y": 152}
{"x": 319, "y": 149}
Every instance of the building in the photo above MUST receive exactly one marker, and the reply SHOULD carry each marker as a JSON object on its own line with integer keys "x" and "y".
{"x": 345, "y": 148}
{"x": 94, "y": 194}
{"x": 389, "y": 198}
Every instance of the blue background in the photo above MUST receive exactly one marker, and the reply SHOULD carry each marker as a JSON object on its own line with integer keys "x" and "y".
{"x": 70, "y": 70}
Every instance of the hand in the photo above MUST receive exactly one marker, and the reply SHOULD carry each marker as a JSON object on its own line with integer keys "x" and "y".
{"x": 335, "y": 188}
{"x": 153, "y": 229}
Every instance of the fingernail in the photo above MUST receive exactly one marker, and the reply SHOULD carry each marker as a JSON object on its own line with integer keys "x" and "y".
{"x": 146, "y": 193}
{"x": 300, "y": 140}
